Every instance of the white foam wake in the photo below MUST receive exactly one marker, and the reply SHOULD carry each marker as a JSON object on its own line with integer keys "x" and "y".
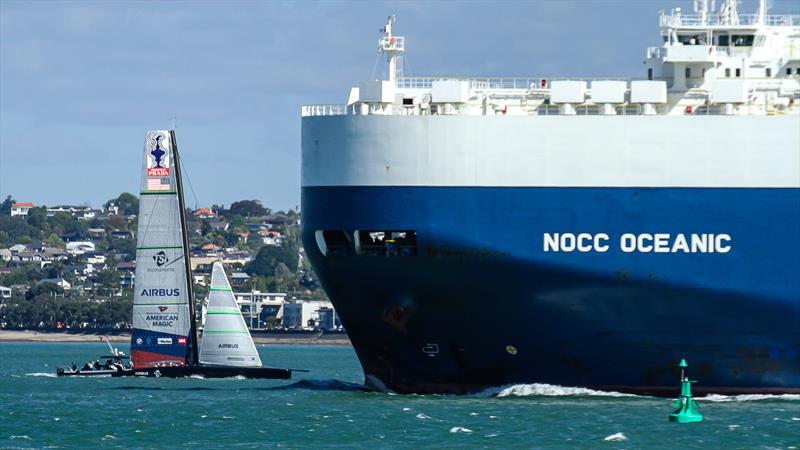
{"x": 747, "y": 397}
{"x": 550, "y": 390}
{"x": 41, "y": 374}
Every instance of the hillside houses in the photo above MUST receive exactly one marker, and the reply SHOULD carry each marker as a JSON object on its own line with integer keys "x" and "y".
{"x": 21, "y": 208}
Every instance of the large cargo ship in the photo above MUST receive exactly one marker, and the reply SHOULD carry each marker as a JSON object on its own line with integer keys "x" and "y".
{"x": 480, "y": 232}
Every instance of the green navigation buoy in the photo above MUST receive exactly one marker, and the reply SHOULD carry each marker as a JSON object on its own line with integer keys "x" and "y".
{"x": 686, "y": 410}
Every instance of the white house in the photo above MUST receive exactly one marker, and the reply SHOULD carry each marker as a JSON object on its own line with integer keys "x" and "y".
{"x": 5, "y": 254}
{"x": 80, "y": 247}
{"x": 5, "y": 292}
{"x": 21, "y": 208}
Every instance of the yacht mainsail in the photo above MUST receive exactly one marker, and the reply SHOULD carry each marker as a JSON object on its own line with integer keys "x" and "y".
{"x": 163, "y": 332}
{"x": 226, "y": 339}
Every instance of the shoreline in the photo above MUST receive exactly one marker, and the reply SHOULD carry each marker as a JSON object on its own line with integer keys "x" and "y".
{"x": 125, "y": 337}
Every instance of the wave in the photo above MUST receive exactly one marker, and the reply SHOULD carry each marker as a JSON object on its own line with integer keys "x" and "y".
{"x": 323, "y": 385}
{"x": 747, "y": 397}
{"x": 546, "y": 390}
{"x": 41, "y": 374}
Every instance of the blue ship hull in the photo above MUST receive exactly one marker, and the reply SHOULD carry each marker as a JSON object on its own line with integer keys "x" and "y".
{"x": 482, "y": 304}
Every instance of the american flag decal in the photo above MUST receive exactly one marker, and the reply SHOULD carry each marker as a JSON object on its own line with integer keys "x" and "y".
{"x": 158, "y": 184}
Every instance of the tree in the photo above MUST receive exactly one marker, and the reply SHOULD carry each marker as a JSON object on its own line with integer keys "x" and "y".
{"x": 128, "y": 204}
{"x": 268, "y": 258}
{"x": 54, "y": 241}
{"x": 248, "y": 208}
{"x": 5, "y": 207}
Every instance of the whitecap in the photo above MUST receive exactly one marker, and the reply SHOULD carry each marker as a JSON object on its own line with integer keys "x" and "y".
{"x": 289, "y": 404}
{"x": 423, "y": 416}
{"x": 56, "y": 418}
{"x": 796, "y": 418}
{"x": 228, "y": 417}
{"x": 203, "y": 416}
{"x": 747, "y": 397}
{"x": 493, "y": 417}
{"x": 109, "y": 436}
{"x": 406, "y": 409}
{"x": 41, "y": 374}
{"x": 473, "y": 414}
{"x": 733, "y": 427}
{"x": 197, "y": 377}
{"x": 460, "y": 430}
{"x": 541, "y": 389}
{"x": 21, "y": 436}
{"x": 616, "y": 437}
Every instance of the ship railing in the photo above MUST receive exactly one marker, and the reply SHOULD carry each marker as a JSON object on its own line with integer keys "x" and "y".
{"x": 326, "y": 110}
{"x": 717, "y": 20}
{"x": 597, "y": 110}
{"x": 493, "y": 83}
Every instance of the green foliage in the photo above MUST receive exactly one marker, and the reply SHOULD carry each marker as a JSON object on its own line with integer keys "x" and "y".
{"x": 5, "y": 207}
{"x": 248, "y": 208}
{"x": 54, "y": 241}
{"x": 128, "y": 204}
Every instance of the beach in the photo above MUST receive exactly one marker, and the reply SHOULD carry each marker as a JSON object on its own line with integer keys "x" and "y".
{"x": 125, "y": 337}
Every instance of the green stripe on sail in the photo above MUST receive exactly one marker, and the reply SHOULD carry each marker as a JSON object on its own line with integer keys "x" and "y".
{"x": 224, "y": 331}
{"x": 160, "y": 303}
{"x": 223, "y": 312}
{"x": 220, "y": 289}
{"x": 158, "y": 192}
{"x": 158, "y": 247}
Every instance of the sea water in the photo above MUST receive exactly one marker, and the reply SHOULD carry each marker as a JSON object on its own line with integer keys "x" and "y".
{"x": 327, "y": 407}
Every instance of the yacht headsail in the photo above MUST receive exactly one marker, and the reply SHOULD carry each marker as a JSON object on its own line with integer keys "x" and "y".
{"x": 226, "y": 339}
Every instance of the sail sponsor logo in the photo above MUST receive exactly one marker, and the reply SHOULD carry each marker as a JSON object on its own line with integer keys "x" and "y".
{"x": 637, "y": 243}
{"x": 158, "y": 320}
{"x": 228, "y": 346}
{"x": 161, "y": 292}
{"x": 164, "y": 341}
{"x": 163, "y": 308}
{"x": 181, "y": 341}
{"x": 161, "y": 259}
{"x": 157, "y": 157}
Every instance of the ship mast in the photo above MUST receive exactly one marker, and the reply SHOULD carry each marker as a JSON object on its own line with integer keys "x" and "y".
{"x": 186, "y": 259}
{"x": 393, "y": 47}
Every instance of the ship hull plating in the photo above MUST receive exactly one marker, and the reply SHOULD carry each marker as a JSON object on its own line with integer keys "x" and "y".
{"x": 483, "y": 303}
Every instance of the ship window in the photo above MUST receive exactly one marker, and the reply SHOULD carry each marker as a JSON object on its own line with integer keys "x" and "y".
{"x": 650, "y": 73}
{"x": 386, "y": 243}
{"x": 727, "y": 72}
{"x": 724, "y": 41}
{"x": 788, "y": 71}
{"x": 688, "y": 72}
{"x": 742, "y": 40}
{"x": 769, "y": 72}
{"x": 408, "y": 102}
{"x": 738, "y": 73}
{"x": 334, "y": 242}
{"x": 797, "y": 71}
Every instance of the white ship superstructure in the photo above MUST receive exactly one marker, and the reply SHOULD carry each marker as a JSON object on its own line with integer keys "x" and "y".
{"x": 711, "y": 62}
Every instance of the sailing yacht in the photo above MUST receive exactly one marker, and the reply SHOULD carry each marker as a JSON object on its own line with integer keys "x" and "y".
{"x": 164, "y": 340}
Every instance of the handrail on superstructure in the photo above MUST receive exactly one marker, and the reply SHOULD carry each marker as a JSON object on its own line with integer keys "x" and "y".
{"x": 677, "y": 19}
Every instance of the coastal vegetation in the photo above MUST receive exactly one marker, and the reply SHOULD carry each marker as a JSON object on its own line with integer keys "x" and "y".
{"x": 73, "y": 266}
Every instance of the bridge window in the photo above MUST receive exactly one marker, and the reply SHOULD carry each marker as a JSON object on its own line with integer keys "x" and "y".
{"x": 742, "y": 40}
{"x": 724, "y": 41}
{"x": 688, "y": 72}
{"x": 738, "y": 73}
{"x": 334, "y": 242}
{"x": 650, "y": 73}
{"x": 727, "y": 72}
{"x": 386, "y": 243}
{"x": 788, "y": 71}
{"x": 769, "y": 72}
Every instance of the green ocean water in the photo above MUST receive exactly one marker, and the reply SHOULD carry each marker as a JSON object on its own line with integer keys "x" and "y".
{"x": 326, "y": 408}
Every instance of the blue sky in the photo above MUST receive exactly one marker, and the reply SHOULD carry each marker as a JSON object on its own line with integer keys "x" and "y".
{"x": 81, "y": 82}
